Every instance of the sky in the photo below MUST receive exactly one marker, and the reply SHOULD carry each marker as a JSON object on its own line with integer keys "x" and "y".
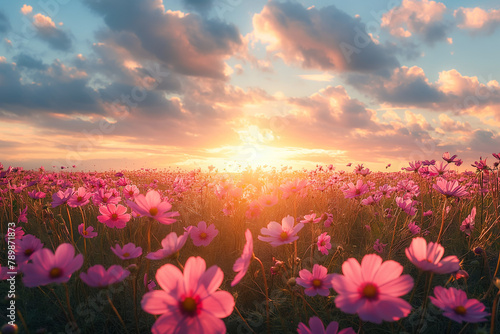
{"x": 128, "y": 84}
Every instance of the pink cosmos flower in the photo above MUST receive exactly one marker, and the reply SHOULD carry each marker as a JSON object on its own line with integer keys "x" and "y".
{"x": 61, "y": 197}
{"x": 16, "y": 235}
{"x": 268, "y": 200}
{"x": 47, "y": 267}
{"x": 26, "y": 247}
{"x": 372, "y": 289}
{"x": 113, "y": 216}
{"x": 152, "y": 206}
{"x": 324, "y": 243}
{"x": 254, "y": 210}
{"x": 129, "y": 251}
{"x": 281, "y": 234}
{"x": 316, "y": 327}
{"x": 130, "y": 192}
{"x": 79, "y": 198}
{"x": 104, "y": 197}
{"x": 310, "y": 219}
{"x": 98, "y": 277}
{"x": 407, "y": 205}
{"x": 352, "y": 190}
{"x": 457, "y": 307}
{"x": 292, "y": 187}
{"x": 36, "y": 194}
{"x": 468, "y": 224}
{"x": 23, "y": 215}
{"x": 203, "y": 235}
{"x": 243, "y": 262}
{"x": 189, "y": 302}
{"x": 427, "y": 213}
{"x": 171, "y": 245}
{"x": 378, "y": 246}
{"x": 414, "y": 229}
{"x": 316, "y": 283}
{"x": 88, "y": 232}
{"x": 427, "y": 257}
{"x": 449, "y": 188}
{"x": 439, "y": 168}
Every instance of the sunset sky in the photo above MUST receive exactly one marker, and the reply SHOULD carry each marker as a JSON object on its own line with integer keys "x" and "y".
{"x": 125, "y": 84}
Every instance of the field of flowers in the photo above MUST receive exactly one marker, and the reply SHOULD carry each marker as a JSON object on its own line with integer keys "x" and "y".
{"x": 265, "y": 250}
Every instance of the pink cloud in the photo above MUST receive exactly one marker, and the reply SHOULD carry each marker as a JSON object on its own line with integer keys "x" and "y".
{"x": 26, "y": 9}
{"x": 41, "y": 21}
{"x": 477, "y": 19}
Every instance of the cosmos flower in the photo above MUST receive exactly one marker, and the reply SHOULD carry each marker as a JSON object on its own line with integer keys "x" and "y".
{"x": 352, "y": 190}
{"x": 47, "y": 267}
{"x": 317, "y": 282}
{"x": 316, "y": 327}
{"x": 428, "y": 257}
{"x": 61, "y": 197}
{"x": 79, "y": 198}
{"x": 152, "y": 206}
{"x": 88, "y": 232}
{"x": 203, "y": 235}
{"x": 171, "y": 245}
{"x": 113, "y": 216}
{"x": 243, "y": 262}
{"x": 281, "y": 234}
{"x": 190, "y": 302}
{"x": 468, "y": 224}
{"x": 129, "y": 251}
{"x": 98, "y": 277}
{"x": 449, "y": 188}
{"x": 26, "y": 247}
{"x": 457, "y": 307}
{"x": 324, "y": 243}
{"x": 378, "y": 246}
{"x": 372, "y": 289}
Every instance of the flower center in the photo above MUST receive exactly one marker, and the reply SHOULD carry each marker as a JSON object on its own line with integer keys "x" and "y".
{"x": 153, "y": 211}
{"x": 79, "y": 198}
{"x": 460, "y": 310}
{"x": 55, "y": 273}
{"x": 114, "y": 216}
{"x": 189, "y": 306}
{"x": 104, "y": 199}
{"x": 84, "y": 232}
{"x": 131, "y": 193}
{"x": 370, "y": 291}
{"x": 316, "y": 283}
{"x": 284, "y": 235}
{"x": 203, "y": 235}
{"x": 28, "y": 252}
{"x": 126, "y": 254}
{"x": 358, "y": 192}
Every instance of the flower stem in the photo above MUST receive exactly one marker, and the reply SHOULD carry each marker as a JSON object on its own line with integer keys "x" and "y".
{"x": 494, "y": 312}
{"x": 117, "y": 314}
{"x": 267, "y": 294}
{"x": 442, "y": 220}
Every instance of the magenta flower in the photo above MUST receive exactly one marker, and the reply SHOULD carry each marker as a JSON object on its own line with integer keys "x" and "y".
{"x": 468, "y": 224}
{"x": 98, "y": 277}
{"x": 23, "y": 215}
{"x": 351, "y": 190}
{"x": 316, "y": 283}
{"x": 310, "y": 219}
{"x": 152, "y": 206}
{"x": 281, "y": 234}
{"x": 414, "y": 228}
{"x": 457, "y": 307}
{"x": 378, "y": 246}
{"x": 189, "y": 302}
{"x": 48, "y": 267}
{"x": 113, "y": 216}
{"x": 427, "y": 257}
{"x": 203, "y": 235}
{"x": 324, "y": 243}
{"x": 79, "y": 198}
{"x": 449, "y": 188}
{"x": 129, "y": 251}
{"x": 36, "y": 194}
{"x": 427, "y": 213}
{"x": 171, "y": 245}
{"x": 26, "y": 247}
{"x": 88, "y": 232}
{"x": 130, "y": 192}
{"x": 316, "y": 327}
{"x": 104, "y": 197}
{"x": 372, "y": 289}
{"x": 61, "y": 197}
{"x": 243, "y": 262}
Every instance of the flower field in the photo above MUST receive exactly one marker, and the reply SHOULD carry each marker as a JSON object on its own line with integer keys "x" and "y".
{"x": 265, "y": 250}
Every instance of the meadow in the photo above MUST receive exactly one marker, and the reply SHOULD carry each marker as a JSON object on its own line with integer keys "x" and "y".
{"x": 264, "y": 250}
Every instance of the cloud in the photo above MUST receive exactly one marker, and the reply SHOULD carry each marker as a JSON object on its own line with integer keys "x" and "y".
{"x": 198, "y": 47}
{"x": 451, "y": 126}
{"x": 326, "y": 38}
{"x": 423, "y": 18}
{"x": 4, "y": 23}
{"x": 48, "y": 32}
{"x": 477, "y": 20}
{"x": 27, "y": 61}
{"x": 26, "y": 9}
{"x": 202, "y": 6}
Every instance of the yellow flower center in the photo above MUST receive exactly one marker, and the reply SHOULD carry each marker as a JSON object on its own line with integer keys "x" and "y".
{"x": 460, "y": 310}
{"x": 188, "y": 305}
{"x": 55, "y": 273}
{"x": 84, "y": 232}
{"x": 126, "y": 254}
{"x": 370, "y": 291}
{"x": 153, "y": 211}
{"x": 316, "y": 283}
{"x": 203, "y": 235}
{"x": 284, "y": 235}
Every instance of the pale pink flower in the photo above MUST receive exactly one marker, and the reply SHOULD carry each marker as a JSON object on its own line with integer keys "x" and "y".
{"x": 98, "y": 277}
{"x": 324, "y": 243}
{"x": 130, "y": 192}
{"x": 243, "y": 262}
{"x": 310, "y": 219}
{"x": 254, "y": 210}
{"x": 281, "y": 234}
{"x": 79, "y": 198}
{"x": 317, "y": 282}
{"x": 468, "y": 224}
{"x": 189, "y": 302}
{"x": 152, "y": 206}
{"x": 113, "y": 216}
{"x": 316, "y": 327}
{"x": 47, "y": 267}
{"x": 88, "y": 232}
{"x": 457, "y": 307}
{"x": 427, "y": 257}
{"x": 203, "y": 235}
{"x": 351, "y": 190}
{"x": 449, "y": 188}
{"x": 372, "y": 289}
{"x": 171, "y": 245}
{"x": 129, "y": 251}
{"x": 268, "y": 200}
